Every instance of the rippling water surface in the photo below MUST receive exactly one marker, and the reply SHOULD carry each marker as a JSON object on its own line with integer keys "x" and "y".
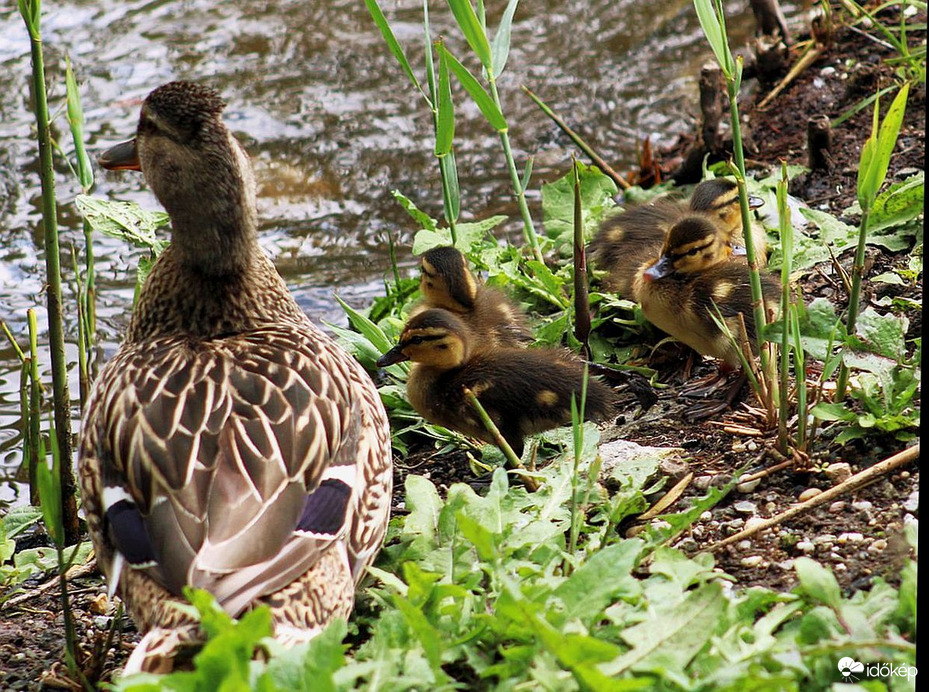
{"x": 332, "y": 125}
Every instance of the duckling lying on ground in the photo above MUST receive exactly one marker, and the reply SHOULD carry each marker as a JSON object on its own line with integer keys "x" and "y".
{"x": 524, "y": 391}
{"x": 678, "y": 290}
{"x": 628, "y": 240}
{"x": 681, "y": 289}
{"x": 489, "y": 314}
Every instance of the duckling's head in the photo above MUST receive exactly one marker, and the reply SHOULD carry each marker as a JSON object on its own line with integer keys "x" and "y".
{"x": 720, "y": 197}
{"x": 694, "y": 243}
{"x": 446, "y": 281}
{"x": 197, "y": 170}
{"x": 433, "y": 337}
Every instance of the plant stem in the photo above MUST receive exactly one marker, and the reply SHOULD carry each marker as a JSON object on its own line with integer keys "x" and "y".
{"x": 513, "y": 461}
{"x": 854, "y": 297}
{"x": 62, "y": 399}
{"x": 528, "y": 226}
{"x": 33, "y": 428}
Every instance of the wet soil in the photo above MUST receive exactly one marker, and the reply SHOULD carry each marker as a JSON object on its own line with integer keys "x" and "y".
{"x": 859, "y": 535}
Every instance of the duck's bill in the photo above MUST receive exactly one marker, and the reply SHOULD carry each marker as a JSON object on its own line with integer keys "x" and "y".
{"x": 659, "y": 269}
{"x": 394, "y": 355}
{"x": 122, "y": 157}
{"x": 755, "y": 202}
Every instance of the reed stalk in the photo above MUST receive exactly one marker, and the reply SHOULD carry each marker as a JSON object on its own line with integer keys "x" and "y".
{"x": 31, "y": 11}
{"x": 786, "y": 234}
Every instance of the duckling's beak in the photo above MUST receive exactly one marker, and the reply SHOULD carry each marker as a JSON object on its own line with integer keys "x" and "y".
{"x": 394, "y": 355}
{"x": 755, "y": 202}
{"x": 660, "y": 269}
{"x": 122, "y": 157}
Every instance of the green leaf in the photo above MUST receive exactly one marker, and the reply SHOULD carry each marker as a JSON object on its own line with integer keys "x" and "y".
{"x": 710, "y": 24}
{"x": 424, "y": 505}
{"x": 368, "y": 329}
{"x": 310, "y": 668}
{"x": 85, "y": 169}
{"x": 473, "y": 31}
{"x": 500, "y": 46}
{"x": 597, "y": 191}
{"x": 392, "y": 44}
{"x": 668, "y": 640}
{"x": 469, "y": 235}
{"x": 877, "y": 150}
{"x": 884, "y": 334}
{"x": 597, "y": 583}
{"x": 49, "y": 482}
{"x": 124, "y": 220}
{"x": 481, "y": 98}
{"x": 818, "y": 582}
{"x": 445, "y": 118}
{"x": 422, "y": 218}
{"x": 901, "y": 202}
{"x": 449, "y": 170}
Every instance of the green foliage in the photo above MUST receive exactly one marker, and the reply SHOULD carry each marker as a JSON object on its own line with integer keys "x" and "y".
{"x": 473, "y": 593}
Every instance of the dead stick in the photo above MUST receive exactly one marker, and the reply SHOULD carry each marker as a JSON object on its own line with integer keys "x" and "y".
{"x": 804, "y": 62}
{"x": 513, "y": 460}
{"x": 853, "y": 483}
{"x": 576, "y": 138}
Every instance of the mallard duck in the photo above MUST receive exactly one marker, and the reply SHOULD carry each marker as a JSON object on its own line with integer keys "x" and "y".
{"x": 447, "y": 283}
{"x": 229, "y": 444}
{"x": 634, "y": 237}
{"x": 524, "y": 391}
{"x": 678, "y": 289}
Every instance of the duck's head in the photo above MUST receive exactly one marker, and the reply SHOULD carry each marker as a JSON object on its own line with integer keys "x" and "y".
{"x": 719, "y": 197}
{"x": 196, "y": 168}
{"x": 446, "y": 281}
{"x": 694, "y": 243}
{"x": 433, "y": 337}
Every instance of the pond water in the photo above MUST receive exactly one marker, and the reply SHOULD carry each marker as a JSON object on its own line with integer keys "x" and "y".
{"x": 332, "y": 124}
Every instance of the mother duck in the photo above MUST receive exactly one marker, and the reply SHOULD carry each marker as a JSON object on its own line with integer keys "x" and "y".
{"x": 229, "y": 444}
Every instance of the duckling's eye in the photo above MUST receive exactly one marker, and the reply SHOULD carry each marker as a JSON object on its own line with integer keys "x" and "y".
{"x": 416, "y": 340}
{"x": 693, "y": 252}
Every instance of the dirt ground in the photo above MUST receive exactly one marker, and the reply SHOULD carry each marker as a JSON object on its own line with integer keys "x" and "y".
{"x": 859, "y": 535}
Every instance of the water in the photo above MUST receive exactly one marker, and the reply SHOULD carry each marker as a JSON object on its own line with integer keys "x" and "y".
{"x": 332, "y": 124}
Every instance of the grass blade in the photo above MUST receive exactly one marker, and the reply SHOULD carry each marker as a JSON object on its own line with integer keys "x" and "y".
{"x": 393, "y": 44}
{"x": 483, "y": 100}
{"x": 500, "y": 46}
{"x": 473, "y": 31}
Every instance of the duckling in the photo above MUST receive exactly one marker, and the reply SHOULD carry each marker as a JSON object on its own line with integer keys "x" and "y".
{"x": 524, "y": 391}
{"x": 229, "y": 444}
{"x": 720, "y": 197}
{"x": 678, "y": 289}
{"x": 447, "y": 283}
{"x": 628, "y": 240}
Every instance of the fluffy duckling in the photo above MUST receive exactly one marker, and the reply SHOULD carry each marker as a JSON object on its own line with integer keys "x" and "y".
{"x": 447, "y": 283}
{"x": 524, "y": 391}
{"x": 677, "y": 291}
{"x": 229, "y": 444}
{"x": 720, "y": 197}
{"x": 628, "y": 240}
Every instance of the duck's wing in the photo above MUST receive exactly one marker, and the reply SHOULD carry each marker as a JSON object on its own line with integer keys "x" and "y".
{"x": 231, "y": 464}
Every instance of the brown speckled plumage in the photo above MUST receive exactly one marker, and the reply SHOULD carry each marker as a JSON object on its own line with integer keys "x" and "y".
{"x": 243, "y": 450}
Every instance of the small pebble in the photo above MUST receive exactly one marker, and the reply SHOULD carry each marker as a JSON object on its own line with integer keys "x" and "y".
{"x": 862, "y": 506}
{"x": 838, "y": 472}
{"x": 744, "y": 545}
{"x": 745, "y": 507}
{"x": 827, "y": 71}
{"x": 786, "y": 565}
{"x": 702, "y": 482}
{"x": 706, "y": 516}
{"x": 751, "y": 446}
{"x": 840, "y": 567}
{"x": 752, "y": 561}
{"x": 19, "y": 656}
{"x": 753, "y": 523}
{"x": 877, "y": 546}
{"x": 850, "y": 537}
{"x": 912, "y": 502}
{"x": 837, "y": 506}
{"x": 824, "y": 538}
{"x": 102, "y": 622}
{"x": 809, "y": 494}
{"x": 748, "y": 486}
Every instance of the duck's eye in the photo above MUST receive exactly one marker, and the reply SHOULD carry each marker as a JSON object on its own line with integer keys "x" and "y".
{"x": 416, "y": 340}
{"x": 693, "y": 252}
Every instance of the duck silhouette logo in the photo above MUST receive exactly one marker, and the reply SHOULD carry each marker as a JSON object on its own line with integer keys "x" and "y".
{"x": 848, "y": 666}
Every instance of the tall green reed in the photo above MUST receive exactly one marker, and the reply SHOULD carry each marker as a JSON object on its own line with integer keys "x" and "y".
{"x": 872, "y": 171}
{"x": 31, "y": 12}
